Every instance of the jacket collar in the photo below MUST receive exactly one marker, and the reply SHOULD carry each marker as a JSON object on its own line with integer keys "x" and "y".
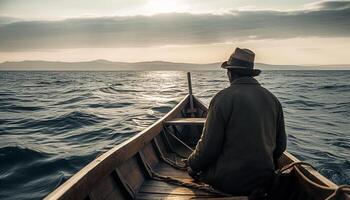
{"x": 245, "y": 80}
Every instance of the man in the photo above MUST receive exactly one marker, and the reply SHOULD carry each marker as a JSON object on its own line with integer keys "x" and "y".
{"x": 244, "y": 133}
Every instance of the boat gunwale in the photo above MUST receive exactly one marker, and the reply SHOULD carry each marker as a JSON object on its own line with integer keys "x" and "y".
{"x": 85, "y": 176}
{"x": 312, "y": 173}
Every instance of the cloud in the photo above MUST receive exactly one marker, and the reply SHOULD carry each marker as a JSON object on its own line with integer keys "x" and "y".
{"x": 329, "y": 5}
{"x": 330, "y": 19}
{"x": 7, "y": 20}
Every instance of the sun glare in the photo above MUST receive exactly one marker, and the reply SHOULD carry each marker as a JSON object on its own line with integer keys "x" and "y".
{"x": 161, "y": 6}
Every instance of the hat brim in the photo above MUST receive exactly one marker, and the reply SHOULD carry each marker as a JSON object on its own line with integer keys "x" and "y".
{"x": 241, "y": 70}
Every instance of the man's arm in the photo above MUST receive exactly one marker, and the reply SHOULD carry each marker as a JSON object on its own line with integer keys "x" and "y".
{"x": 281, "y": 137}
{"x": 210, "y": 145}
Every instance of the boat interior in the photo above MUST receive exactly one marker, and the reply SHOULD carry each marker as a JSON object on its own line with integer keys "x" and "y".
{"x": 128, "y": 170}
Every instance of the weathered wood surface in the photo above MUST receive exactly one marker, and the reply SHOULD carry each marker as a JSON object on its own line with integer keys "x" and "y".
{"x": 311, "y": 173}
{"x": 186, "y": 121}
{"x": 147, "y": 196}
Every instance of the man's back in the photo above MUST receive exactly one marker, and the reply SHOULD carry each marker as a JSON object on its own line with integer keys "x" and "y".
{"x": 243, "y": 134}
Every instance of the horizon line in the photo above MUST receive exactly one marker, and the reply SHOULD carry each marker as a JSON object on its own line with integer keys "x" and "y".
{"x": 149, "y": 61}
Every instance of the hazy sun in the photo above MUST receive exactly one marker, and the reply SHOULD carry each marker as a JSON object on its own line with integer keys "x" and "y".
{"x": 163, "y": 6}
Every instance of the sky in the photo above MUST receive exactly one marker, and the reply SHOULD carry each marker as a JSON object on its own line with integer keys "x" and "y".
{"x": 289, "y": 32}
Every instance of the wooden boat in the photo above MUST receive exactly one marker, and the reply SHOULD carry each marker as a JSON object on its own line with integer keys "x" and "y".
{"x": 127, "y": 171}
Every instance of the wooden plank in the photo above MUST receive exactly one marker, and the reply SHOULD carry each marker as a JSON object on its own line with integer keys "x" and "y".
{"x": 224, "y": 198}
{"x": 162, "y": 148}
{"x": 172, "y": 190}
{"x": 177, "y": 175}
{"x": 132, "y": 174}
{"x": 167, "y": 170}
{"x": 107, "y": 188}
{"x": 157, "y": 183}
{"x": 201, "y": 108}
{"x": 186, "y": 121}
{"x": 150, "y": 155}
{"x": 148, "y": 196}
{"x": 160, "y": 185}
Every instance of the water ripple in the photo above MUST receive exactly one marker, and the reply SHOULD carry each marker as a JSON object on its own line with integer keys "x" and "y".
{"x": 54, "y": 123}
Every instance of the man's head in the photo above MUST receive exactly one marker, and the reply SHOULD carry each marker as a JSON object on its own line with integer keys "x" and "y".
{"x": 232, "y": 75}
{"x": 240, "y": 63}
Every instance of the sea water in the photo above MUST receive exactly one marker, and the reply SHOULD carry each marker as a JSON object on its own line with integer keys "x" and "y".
{"x": 54, "y": 123}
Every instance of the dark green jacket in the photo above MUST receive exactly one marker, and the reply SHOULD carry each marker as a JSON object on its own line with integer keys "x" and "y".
{"x": 243, "y": 135}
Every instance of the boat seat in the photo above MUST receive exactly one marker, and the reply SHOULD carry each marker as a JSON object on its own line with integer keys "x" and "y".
{"x": 186, "y": 121}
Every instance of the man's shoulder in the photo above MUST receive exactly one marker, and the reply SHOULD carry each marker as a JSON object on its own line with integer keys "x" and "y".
{"x": 272, "y": 96}
{"x": 221, "y": 93}
{"x": 268, "y": 92}
{"x": 221, "y": 96}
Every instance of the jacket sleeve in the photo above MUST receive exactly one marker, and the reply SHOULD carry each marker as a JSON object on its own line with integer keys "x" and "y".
{"x": 281, "y": 137}
{"x": 210, "y": 144}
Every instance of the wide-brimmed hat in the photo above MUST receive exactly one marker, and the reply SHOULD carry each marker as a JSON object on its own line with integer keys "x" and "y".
{"x": 241, "y": 62}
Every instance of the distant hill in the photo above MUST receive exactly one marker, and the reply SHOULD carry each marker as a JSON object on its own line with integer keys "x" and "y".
{"x": 105, "y": 65}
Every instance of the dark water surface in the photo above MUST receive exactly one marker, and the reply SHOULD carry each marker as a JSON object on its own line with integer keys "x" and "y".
{"x": 54, "y": 123}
